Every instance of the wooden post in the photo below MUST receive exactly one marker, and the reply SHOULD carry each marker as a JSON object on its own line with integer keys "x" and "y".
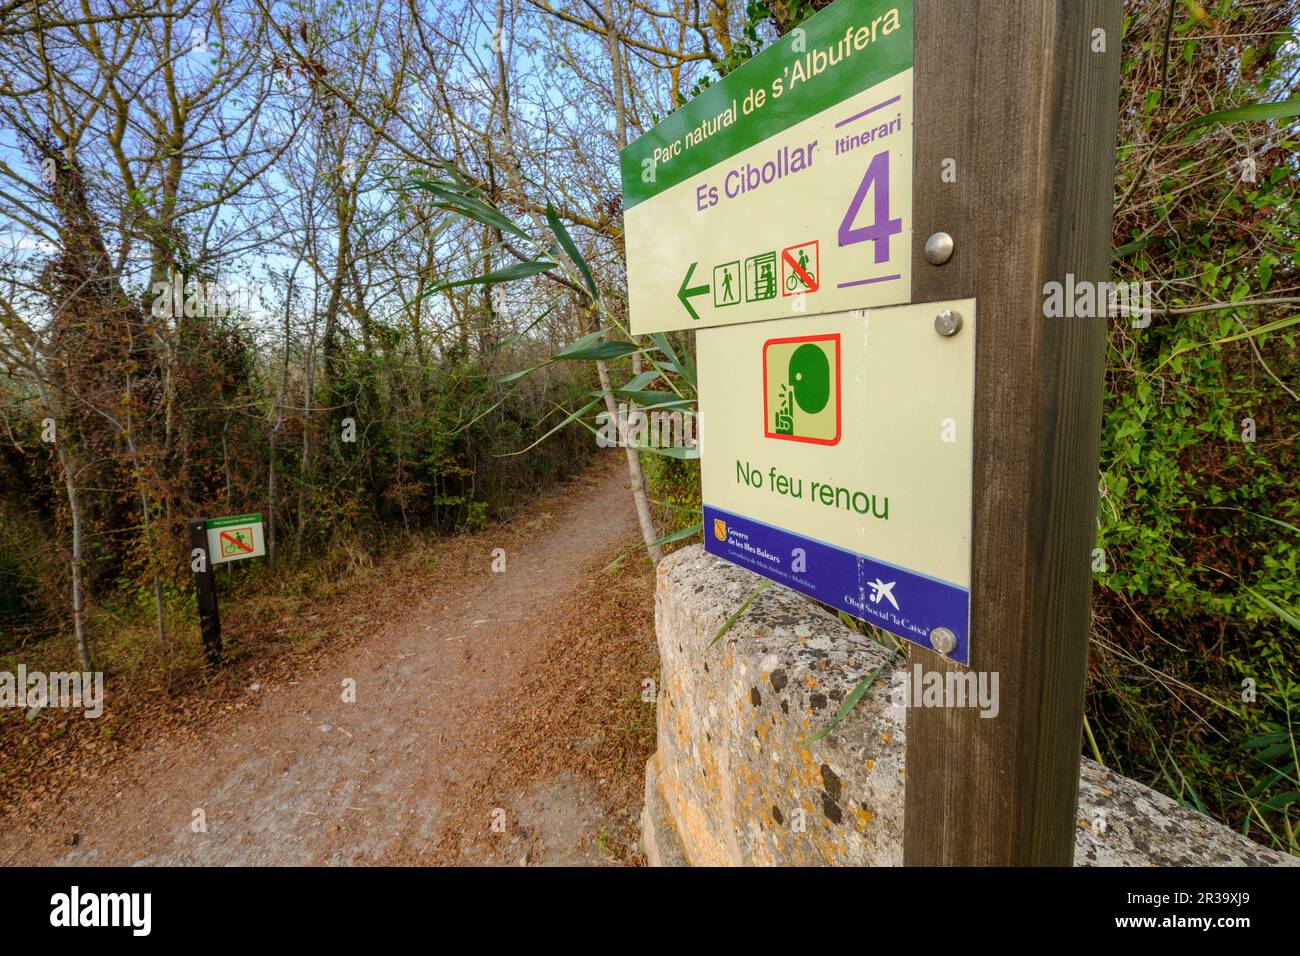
{"x": 1019, "y": 97}
{"x": 205, "y": 583}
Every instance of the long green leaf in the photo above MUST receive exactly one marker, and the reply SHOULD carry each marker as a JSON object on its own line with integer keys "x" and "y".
{"x": 1277, "y": 609}
{"x": 511, "y": 273}
{"x": 685, "y": 369}
{"x": 1255, "y": 514}
{"x": 641, "y": 381}
{"x": 759, "y": 588}
{"x": 1282, "y": 109}
{"x": 571, "y": 248}
{"x": 1281, "y": 801}
{"x": 601, "y": 350}
{"x": 679, "y": 535}
{"x": 571, "y": 417}
{"x": 455, "y": 198}
{"x": 580, "y": 344}
{"x": 850, "y": 701}
{"x": 1281, "y": 612}
{"x": 511, "y": 376}
{"x": 1249, "y": 333}
{"x": 454, "y": 173}
{"x": 652, "y": 399}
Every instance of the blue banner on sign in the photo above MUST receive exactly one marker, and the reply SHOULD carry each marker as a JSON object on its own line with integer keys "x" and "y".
{"x": 900, "y": 601}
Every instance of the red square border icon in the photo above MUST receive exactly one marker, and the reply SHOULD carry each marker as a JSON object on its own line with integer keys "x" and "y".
{"x": 801, "y": 269}
{"x": 801, "y": 389}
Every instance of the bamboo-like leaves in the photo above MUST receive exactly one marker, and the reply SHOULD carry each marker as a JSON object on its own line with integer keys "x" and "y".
{"x": 1252, "y": 112}
{"x": 459, "y": 198}
{"x": 685, "y": 369}
{"x": 579, "y": 351}
{"x": 759, "y": 588}
{"x": 510, "y": 273}
{"x": 652, "y": 399}
{"x": 1249, "y": 333}
{"x": 571, "y": 248}
{"x": 571, "y": 417}
{"x": 679, "y": 535}
{"x": 851, "y": 701}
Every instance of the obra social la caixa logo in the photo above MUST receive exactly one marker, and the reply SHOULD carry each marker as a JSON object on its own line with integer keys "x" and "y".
{"x": 801, "y": 389}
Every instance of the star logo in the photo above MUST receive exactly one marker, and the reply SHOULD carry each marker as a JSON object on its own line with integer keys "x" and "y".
{"x": 881, "y": 591}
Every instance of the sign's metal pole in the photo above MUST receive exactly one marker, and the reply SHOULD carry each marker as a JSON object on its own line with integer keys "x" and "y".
{"x": 1014, "y": 154}
{"x": 205, "y": 583}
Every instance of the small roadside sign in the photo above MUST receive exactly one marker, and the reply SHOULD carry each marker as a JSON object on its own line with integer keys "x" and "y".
{"x": 797, "y": 162}
{"x": 235, "y": 538}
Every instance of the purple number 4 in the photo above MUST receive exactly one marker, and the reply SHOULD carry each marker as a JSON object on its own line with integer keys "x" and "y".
{"x": 883, "y": 227}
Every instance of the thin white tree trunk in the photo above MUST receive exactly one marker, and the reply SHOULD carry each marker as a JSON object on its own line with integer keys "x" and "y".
{"x": 78, "y": 606}
{"x": 636, "y": 477}
{"x": 68, "y": 465}
{"x": 146, "y": 513}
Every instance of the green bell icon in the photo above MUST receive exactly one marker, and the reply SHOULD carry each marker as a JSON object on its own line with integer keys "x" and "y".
{"x": 810, "y": 377}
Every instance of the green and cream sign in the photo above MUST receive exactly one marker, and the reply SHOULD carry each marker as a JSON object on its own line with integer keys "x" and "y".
{"x": 235, "y": 538}
{"x": 836, "y": 458}
{"x": 784, "y": 190}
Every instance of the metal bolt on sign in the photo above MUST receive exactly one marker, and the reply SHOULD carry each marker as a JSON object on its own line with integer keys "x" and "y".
{"x": 943, "y": 640}
{"x": 948, "y": 322}
{"x": 938, "y": 249}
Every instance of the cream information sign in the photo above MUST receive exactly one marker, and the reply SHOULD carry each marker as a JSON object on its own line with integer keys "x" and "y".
{"x": 786, "y": 189}
{"x": 837, "y": 456}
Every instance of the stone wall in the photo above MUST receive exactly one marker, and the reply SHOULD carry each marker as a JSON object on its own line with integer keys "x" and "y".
{"x": 735, "y": 782}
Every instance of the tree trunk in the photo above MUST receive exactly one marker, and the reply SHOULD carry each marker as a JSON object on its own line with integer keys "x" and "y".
{"x": 636, "y": 477}
{"x": 74, "y": 506}
{"x": 639, "y": 496}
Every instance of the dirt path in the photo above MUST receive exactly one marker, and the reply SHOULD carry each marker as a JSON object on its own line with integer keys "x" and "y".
{"x": 303, "y": 777}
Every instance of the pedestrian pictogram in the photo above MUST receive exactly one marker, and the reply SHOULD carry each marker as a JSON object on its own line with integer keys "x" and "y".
{"x": 726, "y": 284}
{"x": 801, "y": 389}
{"x": 760, "y": 277}
{"x": 800, "y": 269}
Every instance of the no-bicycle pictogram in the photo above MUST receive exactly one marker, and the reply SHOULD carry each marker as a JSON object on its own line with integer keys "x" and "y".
{"x": 236, "y": 541}
{"x": 800, "y": 269}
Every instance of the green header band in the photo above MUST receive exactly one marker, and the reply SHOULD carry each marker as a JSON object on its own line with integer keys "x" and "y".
{"x": 850, "y": 46}
{"x": 215, "y": 523}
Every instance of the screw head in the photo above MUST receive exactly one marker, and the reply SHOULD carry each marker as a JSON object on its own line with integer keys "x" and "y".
{"x": 947, "y": 322}
{"x": 943, "y": 640}
{"x": 938, "y": 249}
